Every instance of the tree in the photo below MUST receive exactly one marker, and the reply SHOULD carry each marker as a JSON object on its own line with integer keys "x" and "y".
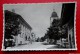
{"x": 53, "y": 30}
{"x": 11, "y": 24}
{"x": 42, "y": 38}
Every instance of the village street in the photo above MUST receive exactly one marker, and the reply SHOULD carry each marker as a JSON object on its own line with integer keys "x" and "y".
{"x": 34, "y": 45}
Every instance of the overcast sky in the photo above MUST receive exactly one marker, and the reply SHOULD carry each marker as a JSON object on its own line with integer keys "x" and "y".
{"x": 36, "y": 15}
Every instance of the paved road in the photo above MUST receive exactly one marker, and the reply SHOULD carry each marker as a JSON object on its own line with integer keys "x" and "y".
{"x": 34, "y": 45}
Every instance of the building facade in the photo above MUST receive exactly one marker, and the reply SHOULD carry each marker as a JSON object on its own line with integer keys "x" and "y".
{"x": 25, "y": 32}
{"x": 24, "y": 29}
{"x": 67, "y": 20}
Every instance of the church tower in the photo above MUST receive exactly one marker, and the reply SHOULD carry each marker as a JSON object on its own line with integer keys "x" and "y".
{"x": 53, "y": 16}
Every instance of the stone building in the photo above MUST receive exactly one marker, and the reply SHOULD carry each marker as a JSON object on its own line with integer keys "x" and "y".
{"x": 24, "y": 34}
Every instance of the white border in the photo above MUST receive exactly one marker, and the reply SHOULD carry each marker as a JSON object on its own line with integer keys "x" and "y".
{"x": 39, "y": 49}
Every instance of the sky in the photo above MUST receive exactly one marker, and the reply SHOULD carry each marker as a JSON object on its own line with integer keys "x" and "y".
{"x": 37, "y": 15}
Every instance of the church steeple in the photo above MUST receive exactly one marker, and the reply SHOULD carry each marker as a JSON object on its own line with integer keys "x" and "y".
{"x": 53, "y": 16}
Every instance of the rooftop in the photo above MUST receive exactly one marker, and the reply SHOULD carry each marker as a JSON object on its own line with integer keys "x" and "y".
{"x": 19, "y": 16}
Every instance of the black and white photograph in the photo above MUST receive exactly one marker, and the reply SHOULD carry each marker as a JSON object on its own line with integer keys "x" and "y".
{"x": 39, "y": 26}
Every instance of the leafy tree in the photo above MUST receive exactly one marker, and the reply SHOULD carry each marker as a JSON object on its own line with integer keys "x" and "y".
{"x": 42, "y": 38}
{"x": 38, "y": 39}
{"x": 53, "y": 31}
{"x": 64, "y": 32}
{"x": 11, "y": 24}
